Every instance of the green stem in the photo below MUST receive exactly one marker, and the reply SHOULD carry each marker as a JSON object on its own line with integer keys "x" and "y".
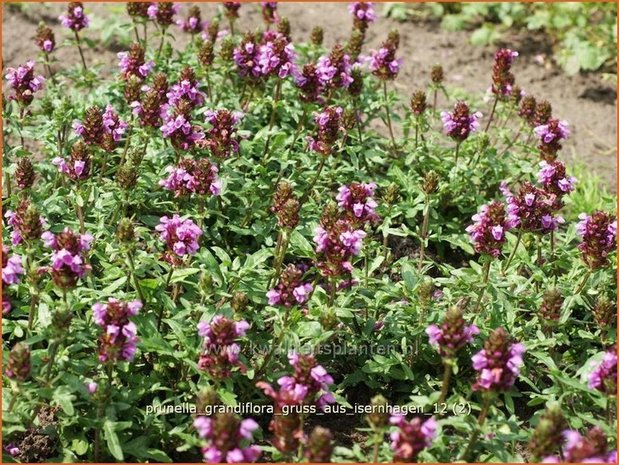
{"x": 79, "y": 47}
{"x": 388, "y": 114}
{"x": 274, "y": 346}
{"x": 446, "y": 378}
{"x": 582, "y": 284}
{"x": 496, "y": 100}
{"x": 480, "y": 422}
{"x": 484, "y": 283}
{"x": 513, "y": 253}
{"x": 135, "y": 278}
{"x": 457, "y": 153}
{"x": 167, "y": 285}
{"x": 278, "y": 89}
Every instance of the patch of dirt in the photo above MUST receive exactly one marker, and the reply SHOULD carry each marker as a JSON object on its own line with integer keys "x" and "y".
{"x": 585, "y": 100}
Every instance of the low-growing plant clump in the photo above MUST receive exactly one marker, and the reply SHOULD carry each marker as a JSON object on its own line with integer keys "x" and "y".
{"x": 249, "y": 249}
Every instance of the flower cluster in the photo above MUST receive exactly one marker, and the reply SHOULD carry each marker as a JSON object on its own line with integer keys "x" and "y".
{"x": 75, "y": 19}
{"x": 221, "y": 139}
{"x": 187, "y": 89}
{"x": 193, "y": 23}
{"x": 460, "y": 123}
{"x": 502, "y": 79}
{"x": 152, "y": 107}
{"x": 498, "y": 363}
{"x": 548, "y": 434}
{"x": 591, "y": 448}
{"x": 599, "y": 238}
{"x": 329, "y": 124}
{"x": 26, "y": 222}
{"x": 45, "y": 39}
{"x": 550, "y": 309}
{"x": 337, "y": 241}
{"x": 24, "y": 173}
{"x": 604, "y": 376}
{"x": 104, "y": 129}
{"x": 227, "y": 438}
{"x": 163, "y": 13}
{"x": 309, "y": 385}
{"x": 138, "y": 10}
{"x": 550, "y": 136}
{"x": 290, "y": 290}
{"x": 411, "y": 437}
{"x": 383, "y": 63}
{"x": 272, "y": 56}
{"x": 489, "y": 228}
{"x": 335, "y": 69}
{"x": 531, "y": 209}
{"x": 285, "y": 206}
{"x": 363, "y": 14}
{"x": 12, "y": 268}
{"x": 133, "y": 64}
{"x": 309, "y": 83}
{"x": 24, "y": 83}
{"x": 452, "y": 334}
{"x": 319, "y": 445}
{"x": 181, "y": 237}
{"x": 177, "y": 126}
{"x": 231, "y": 10}
{"x": 269, "y": 12}
{"x": 119, "y": 339}
{"x": 192, "y": 177}
{"x": 419, "y": 103}
{"x": 357, "y": 200}
{"x": 220, "y": 351}
{"x": 68, "y": 262}
{"x": 18, "y": 365}
{"x": 78, "y": 165}
{"x": 552, "y": 175}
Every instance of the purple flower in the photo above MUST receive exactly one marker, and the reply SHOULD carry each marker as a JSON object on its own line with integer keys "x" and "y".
{"x": 411, "y": 437}
{"x": 452, "y": 334}
{"x": 75, "y": 19}
{"x": 192, "y": 177}
{"x": 11, "y": 267}
{"x": 591, "y": 448}
{"x": 132, "y": 63}
{"x": 531, "y": 209}
{"x": 24, "y": 83}
{"x": 358, "y": 200}
{"x": 187, "y": 88}
{"x": 335, "y": 70}
{"x": 550, "y": 136}
{"x": 269, "y": 12}
{"x": 599, "y": 238}
{"x": 290, "y": 289}
{"x": 552, "y": 175}
{"x": 112, "y": 124}
{"x": 460, "y": 123}
{"x": 238, "y": 436}
{"x": 329, "y": 126}
{"x": 193, "y": 23}
{"x": 221, "y": 138}
{"x": 604, "y": 377}
{"x": 178, "y": 128}
{"x": 498, "y": 363}
{"x": 220, "y": 351}
{"x": 163, "y": 12}
{"x": 502, "y": 79}
{"x": 275, "y": 55}
{"x": 181, "y": 237}
{"x": 383, "y": 62}
{"x": 488, "y": 229}
{"x": 67, "y": 260}
{"x": 363, "y": 14}
{"x": 119, "y": 339}
{"x": 92, "y": 387}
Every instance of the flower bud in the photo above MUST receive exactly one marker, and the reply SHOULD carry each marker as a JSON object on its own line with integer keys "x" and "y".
{"x": 543, "y": 112}
{"x": 319, "y": 445}
{"x": 18, "y": 366}
{"x": 127, "y": 176}
{"x": 125, "y": 232}
{"x": 379, "y": 416}
{"x": 239, "y": 301}
{"x": 61, "y": 321}
{"x": 206, "y": 398}
{"x": 391, "y": 194}
{"x": 24, "y": 174}
{"x": 317, "y": 36}
{"x": 418, "y": 103}
{"x": 604, "y": 312}
{"x": 355, "y": 44}
{"x": 437, "y": 75}
{"x": 430, "y": 183}
{"x": 206, "y": 54}
{"x": 548, "y": 435}
{"x": 227, "y": 49}
{"x": 356, "y": 86}
{"x": 283, "y": 27}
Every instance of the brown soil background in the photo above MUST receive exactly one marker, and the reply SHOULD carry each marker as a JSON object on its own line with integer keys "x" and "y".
{"x": 587, "y": 101}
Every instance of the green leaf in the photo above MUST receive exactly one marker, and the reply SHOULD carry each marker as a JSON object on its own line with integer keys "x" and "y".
{"x": 111, "y": 438}
{"x": 64, "y": 398}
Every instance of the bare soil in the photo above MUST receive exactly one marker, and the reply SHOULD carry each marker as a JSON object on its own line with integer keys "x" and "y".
{"x": 586, "y": 100}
